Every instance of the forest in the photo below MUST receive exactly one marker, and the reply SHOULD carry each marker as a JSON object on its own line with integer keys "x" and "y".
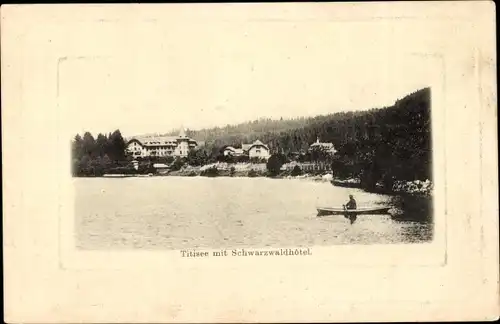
{"x": 382, "y": 144}
{"x": 96, "y": 156}
{"x": 389, "y": 143}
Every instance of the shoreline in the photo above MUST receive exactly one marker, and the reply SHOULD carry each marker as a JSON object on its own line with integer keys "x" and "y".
{"x": 416, "y": 188}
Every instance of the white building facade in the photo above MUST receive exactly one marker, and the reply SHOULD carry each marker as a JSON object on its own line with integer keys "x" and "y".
{"x": 177, "y": 146}
{"x": 255, "y": 150}
{"x": 259, "y": 150}
{"x": 327, "y": 147}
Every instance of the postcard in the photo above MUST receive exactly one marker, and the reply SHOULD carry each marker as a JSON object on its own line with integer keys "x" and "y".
{"x": 280, "y": 162}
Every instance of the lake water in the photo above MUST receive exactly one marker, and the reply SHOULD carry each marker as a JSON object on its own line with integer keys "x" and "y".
{"x": 198, "y": 212}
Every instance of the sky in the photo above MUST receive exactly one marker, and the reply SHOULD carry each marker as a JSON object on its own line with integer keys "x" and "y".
{"x": 156, "y": 77}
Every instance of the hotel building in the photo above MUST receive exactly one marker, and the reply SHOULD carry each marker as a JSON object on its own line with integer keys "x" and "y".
{"x": 178, "y": 146}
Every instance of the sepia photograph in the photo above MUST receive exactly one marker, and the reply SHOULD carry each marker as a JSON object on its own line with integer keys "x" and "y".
{"x": 332, "y": 158}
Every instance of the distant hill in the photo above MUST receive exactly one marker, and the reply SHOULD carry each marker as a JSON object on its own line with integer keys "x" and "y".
{"x": 298, "y": 133}
{"x": 395, "y": 141}
{"x": 384, "y": 143}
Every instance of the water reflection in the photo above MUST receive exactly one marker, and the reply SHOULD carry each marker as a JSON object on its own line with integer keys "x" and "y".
{"x": 175, "y": 213}
{"x": 417, "y": 213}
{"x": 412, "y": 208}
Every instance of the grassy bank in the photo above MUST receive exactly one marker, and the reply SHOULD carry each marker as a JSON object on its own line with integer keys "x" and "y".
{"x": 213, "y": 172}
{"x": 416, "y": 187}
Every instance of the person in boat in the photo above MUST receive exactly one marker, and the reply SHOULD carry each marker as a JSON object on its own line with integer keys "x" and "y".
{"x": 351, "y": 204}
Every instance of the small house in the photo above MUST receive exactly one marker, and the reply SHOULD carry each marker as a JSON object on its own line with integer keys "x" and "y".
{"x": 256, "y": 149}
{"x": 327, "y": 147}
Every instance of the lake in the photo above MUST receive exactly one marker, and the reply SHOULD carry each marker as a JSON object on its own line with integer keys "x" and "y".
{"x": 198, "y": 212}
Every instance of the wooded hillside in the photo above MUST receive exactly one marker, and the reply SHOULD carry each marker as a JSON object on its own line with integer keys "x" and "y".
{"x": 291, "y": 135}
{"x": 391, "y": 143}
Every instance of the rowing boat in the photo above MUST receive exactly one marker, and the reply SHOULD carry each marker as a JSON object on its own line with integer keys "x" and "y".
{"x": 324, "y": 211}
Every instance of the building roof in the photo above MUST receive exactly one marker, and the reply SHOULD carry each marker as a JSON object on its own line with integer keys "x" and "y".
{"x": 234, "y": 150}
{"x": 328, "y": 145}
{"x": 245, "y": 147}
{"x": 257, "y": 143}
{"x": 158, "y": 140}
{"x": 318, "y": 143}
{"x": 145, "y": 140}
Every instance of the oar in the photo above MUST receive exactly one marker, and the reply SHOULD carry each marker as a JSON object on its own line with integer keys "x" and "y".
{"x": 352, "y": 217}
{"x": 346, "y": 215}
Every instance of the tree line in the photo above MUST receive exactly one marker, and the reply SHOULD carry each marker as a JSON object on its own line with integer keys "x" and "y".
{"x": 96, "y": 156}
{"x": 382, "y": 144}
